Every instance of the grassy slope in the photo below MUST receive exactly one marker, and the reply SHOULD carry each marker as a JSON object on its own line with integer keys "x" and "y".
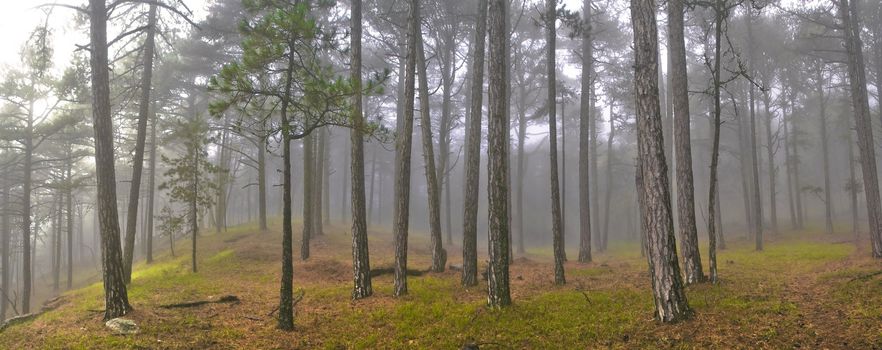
{"x": 797, "y": 293}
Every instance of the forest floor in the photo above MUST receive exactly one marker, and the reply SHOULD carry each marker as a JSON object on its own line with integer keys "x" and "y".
{"x": 805, "y": 290}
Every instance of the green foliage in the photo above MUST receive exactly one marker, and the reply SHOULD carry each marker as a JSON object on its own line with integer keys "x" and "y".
{"x": 187, "y": 178}
{"x": 287, "y": 60}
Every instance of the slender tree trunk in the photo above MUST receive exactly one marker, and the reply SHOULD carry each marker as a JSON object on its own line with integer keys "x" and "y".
{"x": 563, "y": 179}
{"x": 326, "y": 178}
{"x": 151, "y": 193}
{"x": 788, "y": 162}
{"x": 754, "y": 164}
{"x": 261, "y": 184}
{"x": 497, "y": 157}
{"x": 609, "y": 173}
{"x": 522, "y": 159}
{"x": 70, "y": 221}
{"x": 370, "y": 200}
{"x": 473, "y": 154}
{"x": 594, "y": 176}
{"x": 679, "y": 91}
{"x": 308, "y": 195}
{"x": 797, "y": 184}
{"x": 585, "y": 137}
{"x": 439, "y": 255}
{"x": 828, "y": 198}
{"x": 404, "y": 138}
{"x": 57, "y": 218}
{"x": 771, "y": 149}
{"x": 116, "y": 301}
{"x": 719, "y": 16}
{"x": 4, "y": 246}
{"x": 140, "y": 140}
{"x": 360, "y": 258}
{"x": 27, "y": 184}
{"x": 318, "y": 191}
{"x": 556, "y": 229}
{"x": 858, "y": 82}
{"x": 194, "y": 209}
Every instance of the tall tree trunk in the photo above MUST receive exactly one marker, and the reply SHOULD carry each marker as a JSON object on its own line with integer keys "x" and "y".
{"x": 521, "y": 167}
{"x": 594, "y": 176}
{"x": 585, "y": 137}
{"x": 286, "y": 291}
{"x": 151, "y": 192}
{"x": 473, "y": 154}
{"x": 403, "y": 141}
{"x": 140, "y": 140}
{"x": 797, "y": 184}
{"x": 70, "y": 219}
{"x": 439, "y": 255}
{"x": 360, "y": 258}
{"x": 853, "y": 182}
{"x": 858, "y": 82}
{"x": 346, "y": 182}
{"x": 261, "y": 184}
{"x": 609, "y": 173}
{"x": 551, "y": 66}
{"x": 326, "y": 178}
{"x": 771, "y": 149}
{"x": 27, "y": 185}
{"x": 116, "y": 301}
{"x": 497, "y": 157}
{"x": 828, "y": 198}
{"x": 667, "y": 286}
{"x": 448, "y": 57}
{"x": 719, "y": 15}
{"x": 4, "y": 245}
{"x": 308, "y": 195}
{"x": 370, "y": 199}
{"x": 319, "y": 174}
{"x": 57, "y": 218}
{"x": 754, "y": 164}
{"x": 194, "y": 209}
{"x": 679, "y": 91}
{"x": 788, "y": 163}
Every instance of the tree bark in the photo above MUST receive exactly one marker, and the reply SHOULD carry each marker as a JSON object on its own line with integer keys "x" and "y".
{"x": 360, "y": 254}
{"x": 825, "y": 156}
{"x": 286, "y": 291}
{"x": 115, "y": 294}
{"x": 679, "y": 91}
{"x": 473, "y": 154}
{"x": 497, "y": 158}
{"x": 439, "y": 255}
{"x": 4, "y": 245}
{"x": 403, "y": 141}
{"x": 585, "y": 137}
{"x": 858, "y": 83}
{"x": 670, "y": 299}
{"x": 140, "y": 141}
{"x": 151, "y": 193}
{"x": 261, "y": 184}
{"x": 308, "y": 195}
{"x": 719, "y": 16}
{"x": 556, "y": 229}
{"x": 754, "y": 164}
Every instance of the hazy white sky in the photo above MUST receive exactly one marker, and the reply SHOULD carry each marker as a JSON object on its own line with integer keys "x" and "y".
{"x": 19, "y": 17}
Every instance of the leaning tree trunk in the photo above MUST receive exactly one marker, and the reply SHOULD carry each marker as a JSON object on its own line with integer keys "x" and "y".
{"x": 858, "y": 82}
{"x": 683, "y": 148}
{"x": 473, "y": 154}
{"x": 556, "y": 229}
{"x": 403, "y": 140}
{"x": 360, "y": 258}
{"x": 497, "y": 158}
{"x": 140, "y": 141}
{"x": 439, "y": 255}
{"x": 116, "y": 301}
{"x": 585, "y": 136}
{"x": 667, "y": 286}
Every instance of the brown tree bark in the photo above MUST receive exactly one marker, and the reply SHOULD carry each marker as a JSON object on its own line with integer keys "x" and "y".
{"x": 140, "y": 142}
{"x": 667, "y": 286}
{"x": 403, "y": 141}
{"x": 473, "y": 154}
{"x": 551, "y": 66}
{"x": 679, "y": 91}
{"x": 858, "y": 83}
{"x": 286, "y": 290}
{"x": 116, "y": 301}
{"x": 308, "y": 194}
{"x": 360, "y": 254}
{"x": 585, "y": 136}
{"x": 439, "y": 255}
{"x": 497, "y": 158}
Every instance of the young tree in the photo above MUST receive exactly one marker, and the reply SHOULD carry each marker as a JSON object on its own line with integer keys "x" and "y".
{"x": 664, "y": 270}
